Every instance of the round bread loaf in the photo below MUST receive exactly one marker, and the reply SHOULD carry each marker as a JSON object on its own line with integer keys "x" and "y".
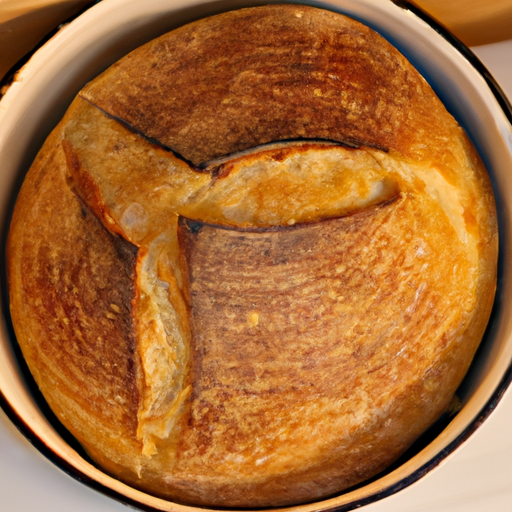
{"x": 252, "y": 264}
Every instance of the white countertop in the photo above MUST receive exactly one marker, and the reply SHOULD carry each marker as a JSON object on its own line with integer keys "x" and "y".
{"x": 477, "y": 477}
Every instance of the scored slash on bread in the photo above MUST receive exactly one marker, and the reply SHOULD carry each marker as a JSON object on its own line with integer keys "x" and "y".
{"x": 251, "y": 271}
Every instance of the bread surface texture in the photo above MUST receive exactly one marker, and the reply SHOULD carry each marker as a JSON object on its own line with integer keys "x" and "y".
{"x": 254, "y": 261}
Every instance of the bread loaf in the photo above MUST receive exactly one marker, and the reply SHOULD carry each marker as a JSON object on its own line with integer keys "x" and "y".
{"x": 254, "y": 261}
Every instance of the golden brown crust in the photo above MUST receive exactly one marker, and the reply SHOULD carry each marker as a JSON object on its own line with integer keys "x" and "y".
{"x": 224, "y": 93}
{"x": 321, "y": 304}
{"x": 261, "y": 345}
{"x": 71, "y": 287}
